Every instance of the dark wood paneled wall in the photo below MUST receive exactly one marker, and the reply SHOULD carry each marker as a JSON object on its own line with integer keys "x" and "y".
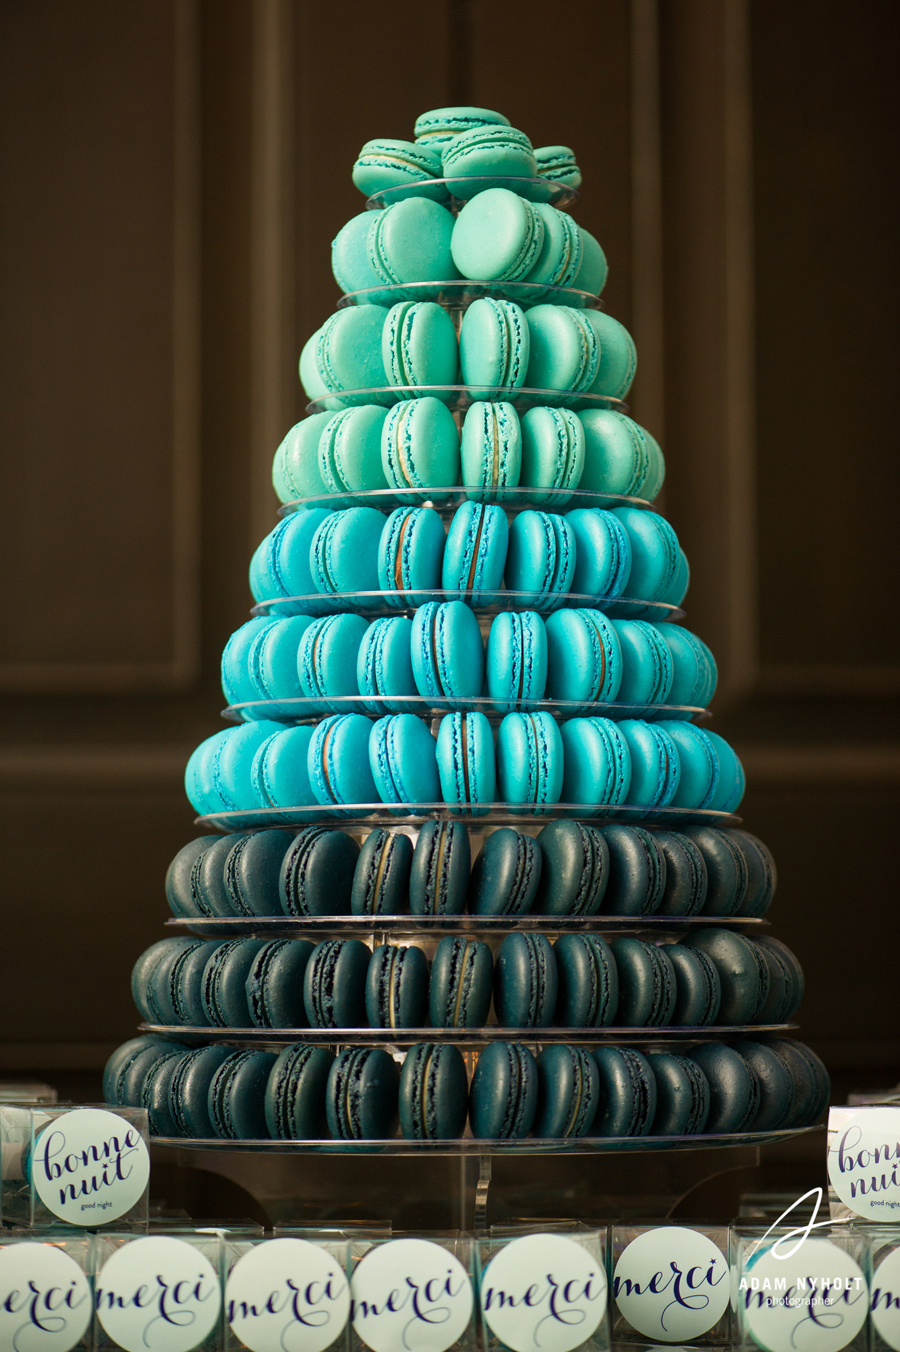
{"x": 179, "y": 169}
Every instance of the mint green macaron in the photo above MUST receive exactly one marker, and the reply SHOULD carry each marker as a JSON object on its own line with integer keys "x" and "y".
{"x": 497, "y": 236}
{"x": 420, "y": 445}
{"x": 386, "y": 165}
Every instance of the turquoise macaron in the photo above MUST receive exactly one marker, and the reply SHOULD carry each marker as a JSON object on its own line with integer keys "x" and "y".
{"x": 434, "y": 1093}
{"x": 558, "y": 165}
{"x": 627, "y": 1093}
{"x": 442, "y": 862}
{"x": 459, "y": 990}
{"x": 584, "y": 657}
{"x": 597, "y": 762}
{"x": 279, "y": 776}
{"x": 224, "y": 776}
{"x": 384, "y": 666}
{"x": 419, "y": 345}
{"x": 381, "y": 877}
{"x": 410, "y": 555}
{"x": 347, "y": 351}
{"x": 497, "y": 237}
{"x": 525, "y": 981}
{"x": 516, "y": 660}
{"x": 698, "y": 988}
{"x": 491, "y": 446}
{"x": 237, "y": 1096}
{"x": 443, "y": 124}
{"x": 680, "y": 583}
{"x": 699, "y": 763}
{"x": 281, "y": 564}
{"x": 338, "y": 761}
{"x": 730, "y": 789}
{"x": 475, "y": 553}
{"x": 410, "y": 242}
{"x": 384, "y": 165}
{"x": 602, "y": 553}
{"x": 361, "y": 1095}
{"x": 552, "y": 453}
{"x": 655, "y": 766}
{"x": 682, "y": 1095}
{"x": 397, "y": 987}
{"x": 506, "y": 875}
{"x": 349, "y": 446}
{"x": 350, "y": 255}
{"x": 334, "y": 984}
{"x": 637, "y": 871}
{"x": 272, "y": 659}
{"x": 447, "y": 652}
{"x": 588, "y": 981}
{"x": 403, "y": 760}
{"x": 617, "y": 454}
{"x": 647, "y": 667}
{"x": 295, "y": 469}
{"x": 486, "y": 153}
{"x": 591, "y": 275}
{"x": 295, "y": 1093}
{"x": 198, "y": 783}
{"x": 275, "y": 984}
{"x": 575, "y": 870}
{"x": 614, "y": 373}
{"x": 237, "y": 686}
{"x": 693, "y": 667}
{"x": 420, "y": 445}
{"x": 317, "y": 871}
{"x": 503, "y": 1097}
{"x": 326, "y": 660}
{"x": 558, "y": 262}
{"x": 343, "y": 552}
{"x": 654, "y": 552}
{"x": 529, "y": 759}
{"x": 494, "y": 344}
{"x": 564, "y": 350}
{"x": 540, "y": 558}
{"x": 568, "y": 1093}
{"x": 465, "y": 760}
{"x": 647, "y": 984}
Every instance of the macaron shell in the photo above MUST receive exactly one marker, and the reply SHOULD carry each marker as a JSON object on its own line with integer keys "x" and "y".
{"x": 420, "y": 445}
{"x": 403, "y": 760}
{"x": 224, "y": 982}
{"x": 316, "y": 875}
{"x": 410, "y": 553}
{"x": 654, "y": 553}
{"x": 350, "y": 256}
{"x": 494, "y": 344}
{"x": 348, "y": 348}
{"x": 587, "y": 981}
{"x": 502, "y": 151}
{"x": 274, "y": 984}
{"x": 386, "y": 164}
{"x": 516, "y": 660}
{"x": 279, "y": 774}
{"x": 776, "y": 1083}
{"x": 540, "y": 559}
{"x": 698, "y": 761}
{"x": 491, "y": 445}
{"x": 525, "y": 981}
{"x": 564, "y": 351}
{"x": 558, "y": 165}
{"x": 343, "y": 552}
{"x": 475, "y": 552}
{"x": 497, "y": 236}
{"x": 646, "y": 984}
{"x": 743, "y": 974}
{"x": 361, "y": 1095}
{"x": 506, "y": 874}
{"x": 447, "y": 651}
{"x": 434, "y": 1092}
{"x": 559, "y": 260}
{"x": 730, "y": 788}
{"x": 655, "y": 767}
{"x": 397, "y": 987}
{"x": 615, "y": 370}
{"x": 252, "y": 871}
{"x": 348, "y": 458}
{"x": 327, "y": 657}
{"x": 686, "y": 877}
{"x": 237, "y": 685}
{"x": 647, "y": 668}
{"x": 627, "y": 1093}
{"x": 762, "y": 875}
{"x": 272, "y": 660}
{"x": 179, "y": 889}
{"x": 459, "y": 990}
{"x": 568, "y": 1093}
{"x": 552, "y": 452}
{"x": 593, "y": 270}
{"x": 287, "y": 557}
{"x": 726, "y": 869}
{"x": 189, "y": 1090}
{"x": 698, "y": 989}
{"x": 597, "y": 763}
{"x": 419, "y": 345}
{"x": 334, "y": 984}
{"x": 439, "y": 877}
{"x": 410, "y": 242}
{"x": 442, "y": 124}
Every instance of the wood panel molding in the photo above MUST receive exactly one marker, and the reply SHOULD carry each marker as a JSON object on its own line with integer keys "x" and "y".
{"x": 69, "y": 769}
{"x": 646, "y": 218}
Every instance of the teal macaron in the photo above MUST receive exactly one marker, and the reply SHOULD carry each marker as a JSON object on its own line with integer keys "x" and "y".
{"x": 295, "y": 1093}
{"x": 529, "y": 759}
{"x": 575, "y": 869}
{"x": 295, "y": 469}
{"x": 552, "y": 453}
{"x": 181, "y": 886}
{"x": 682, "y": 1095}
{"x": 272, "y": 659}
{"x": 326, "y": 660}
{"x": 334, "y": 984}
{"x": 504, "y": 1092}
{"x": 223, "y": 989}
{"x": 617, "y": 454}
{"x": 459, "y": 990}
{"x": 647, "y": 984}
{"x": 442, "y": 862}
{"x": 588, "y": 981}
{"x": 198, "y": 782}
{"x": 419, "y": 345}
{"x": 397, "y": 987}
{"x": 516, "y": 660}
{"x": 253, "y": 869}
{"x": 410, "y": 554}
{"x": 361, "y": 1095}
{"x": 282, "y": 564}
{"x": 384, "y": 666}
{"x": 506, "y": 875}
{"x": 347, "y": 351}
{"x": 207, "y": 881}
{"x": 348, "y": 450}
{"x": 564, "y": 351}
{"x": 615, "y": 370}
{"x": 699, "y": 763}
{"x": 493, "y": 152}
{"x": 762, "y": 874}
{"x": 237, "y": 1096}
{"x": 647, "y": 667}
{"x": 410, "y": 242}
{"x": 385, "y": 165}
{"x": 743, "y": 973}
{"x": 316, "y": 876}
{"x": 654, "y": 552}
{"x": 338, "y": 761}
{"x": 525, "y": 981}
{"x": 447, "y": 652}
{"x": 559, "y": 260}
{"x": 420, "y": 445}
{"x": 558, "y": 165}
{"x": 698, "y": 988}
{"x": 475, "y": 553}
{"x": 693, "y": 667}
{"x": 730, "y": 789}
{"x": 597, "y": 762}
{"x": 591, "y": 275}
{"x": 403, "y": 760}
{"x": 602, "y": 553}
{"x": 733, "y": 1088}
{"x": 584, "y": 657}
{"x": 637, "y": 871}
{"x": 687, "y": 880}
{"x": 627, "y": 1093}
{"x": 274, "y": 984}
{"x": 655, "y": 766}
{"x": 465, "y": 760}
{"x": 494, "y": 344}
{"x": 343, "y": 552}
{"x": 350, "y": 256}
{"x": 381, "y": 876}
{"x": 443, "y": 124}
{"x": 568, "y": 1093}
{"x": 237, "y": 685}
{"x": 434, "y": 1093}
{"x": 777, "y": 1092}
{"x": 491, "y": 446}
{"x": 540, "y": 558}
{"x": 497, "y": 237}
{"x": 726, "y": 869}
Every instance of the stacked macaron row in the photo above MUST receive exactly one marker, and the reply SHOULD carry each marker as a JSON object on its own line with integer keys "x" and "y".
{"x": 715, "y": 976}
{"x": 544, "y": 558}
{"x": 569, "y": 869}
{"x": 365, "y": 1093}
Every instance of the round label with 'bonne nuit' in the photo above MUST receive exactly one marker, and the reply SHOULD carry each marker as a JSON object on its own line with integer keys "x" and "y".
{"x": 45, "y": 1299}
{"x": 410, "y": 1294}
{"x": 864, "y": 1161}
{"x": 158, "y": 1294}
{"x": 543, "y": 1293}
{"x": 287, "y": 1295}
{"x": 672, "y": 1284}
{"x": 803, "y": 1297}
{"x": 885, "y": 1301}
{"x": 89, "y": 1166}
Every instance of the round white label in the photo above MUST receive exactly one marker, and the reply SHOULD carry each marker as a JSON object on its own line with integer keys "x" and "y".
{"x": 672, "y": 1284}
{"x": 885, "y": 1302}
{"x": 287, "y": 1295}
{"x": 158, "y": 1293}
{"x": 410, "y": 1295}
{"x": 814, "y": 1300}
{"x": 543, "y": 1293}
{"x": 45, "y": 1299}
{"x": 864, "y": 1162}
{"x": 90, "y": 1167}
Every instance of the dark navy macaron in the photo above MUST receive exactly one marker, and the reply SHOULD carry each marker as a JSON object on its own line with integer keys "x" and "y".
{"x": 295, "y": 1093}
{"x": 459, "y": 990}
{"x": 812, "y": 1083}
{"x": 334, "y": 984}
{"x": 588, "y": 981}
{"x": 568, "y": 1092}
{"x": 506, "y": 875}
{"x": 442, "y": 863}
{"x": 726, "y": 870}
{"x": 381, "y": 878}
{"x": 252, "y": 871}
{"x": 647, "y": 988}
{"x": 208, "y": 876}
{"x": 237, "y": 1096}
{"x": 794, "y": 982}
{"x": 525, "y": 981}
{"x": 317, "y": 871}
{"x": 155, "y": 1092}
{"x": 180, "y": 968}
{"x": 637, "y": 871}
{"x": 274, "y": 984}
{"x": 733, "y": 1088}
{"x": 434, "y": 1093}
{"x": 776, "y": 1083}
{"x": 504, "y": 1092}
{"x": 179, "y": 890}
{"x": 189, "y": 1090}
{"x": 574, "y": 869}
{"x": 743, "y": 973}
{"x": 224, "y": 983}
{"x": 128, "y": 1083}
{"x": 627, "y": 1093}
{"x": 361, "y": 1095}
{"x": 686, "y": 876}
{"x": 144, "y": 971}
{"x": 698, "y": 990}
{"x": 397, "y": 987}
{"x": 762, "y": 875}
{"x": 682, "y": 1096}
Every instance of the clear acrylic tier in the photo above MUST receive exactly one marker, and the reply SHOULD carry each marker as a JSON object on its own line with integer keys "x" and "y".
{"x": 306, "y": 709}
{"x": 446, "y": 500}
{"x": 460, "y": 398}
{"x": 459, "y": 294}
{"x": 457, "y": 190}
{"x": 425, "y": 926}
{"x": 483, "y": 602}
{"x": 366, "y": 815}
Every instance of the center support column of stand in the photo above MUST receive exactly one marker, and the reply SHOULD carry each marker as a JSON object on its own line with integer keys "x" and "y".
{"x": 474, "y": 1217}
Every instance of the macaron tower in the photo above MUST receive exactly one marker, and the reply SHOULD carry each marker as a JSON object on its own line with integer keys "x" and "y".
{"x": 467, "y": 860}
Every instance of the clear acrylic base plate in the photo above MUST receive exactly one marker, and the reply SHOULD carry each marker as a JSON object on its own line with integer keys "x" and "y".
{"x": 459, "y": 398}
{"x": 305, "y": 709}
{"x": 460, "y": 188}
{"x": 424, "y": 926}
{"x": 446, "y": 500}
{"x": 458, "y": 294}
{"x": 366, "y": 815}
{"x": 386, "y": 603}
